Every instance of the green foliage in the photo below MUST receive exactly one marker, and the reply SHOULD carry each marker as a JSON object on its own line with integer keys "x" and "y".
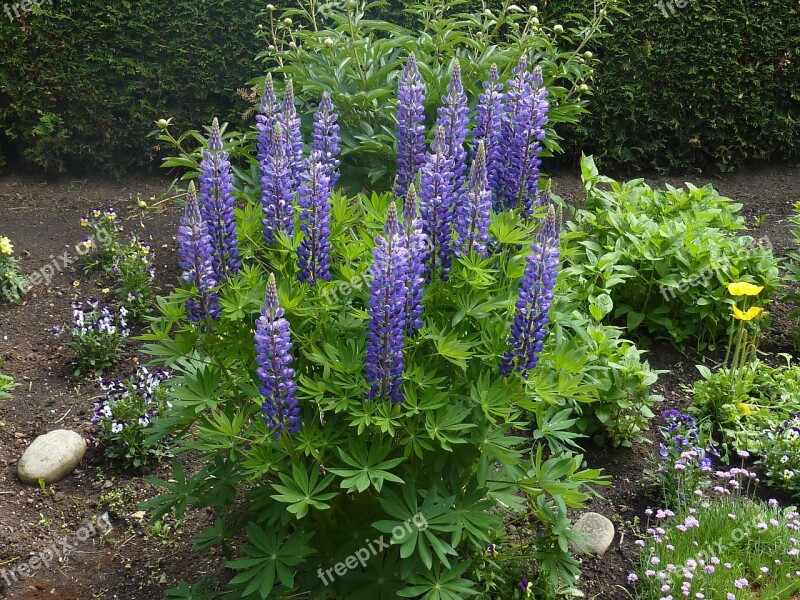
{"x": 744, "y": 406}
{"x": 714, "y": 84}
{"x": 358, "y": 60}
{"x": 447, "y": 455}
{"x": 792, "y": 273}
{"x": 661, "y": 260}
{"x": 12, "y": 281}
{"x": 83, "y": 82}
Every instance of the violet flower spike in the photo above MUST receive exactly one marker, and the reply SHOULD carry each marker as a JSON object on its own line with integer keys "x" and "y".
{"x": 473, "y": 216}
{"x": 410, "y": 126}
{"x": 216, "y": 206}
{"x": 292, "y": 138}
{"x": 277, "y": 189}
{"x": 518, "y": 88}
{"x": 387, "y": 311}
{"x": 436, "y": 202}
{"x": 454, "y": 117}
{"x": 314, "y": 201}
{"x": 488, "y": 128}
{"x": 417, "y": 257}
{"x": 326, "y": 137}
{"x": 273, "y": 344}
{"x": 535, "y": 299}
{"x": 268, "y": 112}
{"x": 195, "y": 250}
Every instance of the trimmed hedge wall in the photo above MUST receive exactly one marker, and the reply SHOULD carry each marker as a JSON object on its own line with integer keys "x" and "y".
{"x": 82, "y": 82}
{"x": 714, "y": 83}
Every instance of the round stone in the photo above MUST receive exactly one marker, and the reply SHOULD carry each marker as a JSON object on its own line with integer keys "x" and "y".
{"x": 51, "y": 457}
{"x": 597, "y": 532}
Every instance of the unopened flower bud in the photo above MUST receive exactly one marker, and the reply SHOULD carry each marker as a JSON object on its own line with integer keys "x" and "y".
{"x": 292, "y": 45}
{"x": 287, "y": 21}
{"x": 270, "y": 7}
{"x": 588, "y": 55}
{"x": 260, "y": 27}
{"x": 328, "y": 43}
{"x": 533, "y": 9}
{"x": 271, "y": 48}
{"x": 162, "y": 123}
{"x": 583, "y": 87}
{"x": 558, "y": 28}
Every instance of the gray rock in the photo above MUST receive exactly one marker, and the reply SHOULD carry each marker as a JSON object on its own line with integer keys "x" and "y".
{"x": 51, "y": 457}
{"x": 597, "y": 531}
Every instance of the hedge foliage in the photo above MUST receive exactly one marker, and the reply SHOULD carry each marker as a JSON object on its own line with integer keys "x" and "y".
{"x": 713, "y": 83}
{"x": 82, "y": 81}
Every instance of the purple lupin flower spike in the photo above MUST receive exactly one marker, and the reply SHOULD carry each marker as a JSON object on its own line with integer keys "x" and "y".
{"x": 473, "y": 216}
{"x": 216, "y": 206}
{"x": 535, "y": 299}
{"x": 292, "y": 137}
{"x": 488, "y": 128}
{"x": 277, "y": 189}
{"x": 273, "y": 345}
{"x": 266, "y": 118}
{"x": 436, "y": 202}
{"x": 518, "y": 89}
{"x": 410, "y": 126}
{"x": 326, "y": 137}
{"x": 195, "y": 250}
{"x": 314, "y": 201}
{"x": 417, "y": 257}
{"x": 454, "y": 117}
{"x": 523, "y": 130}
{"x": 387, "y": 311}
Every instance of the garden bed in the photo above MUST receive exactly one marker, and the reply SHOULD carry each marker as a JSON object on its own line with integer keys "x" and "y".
{"x": 134, "y": 561}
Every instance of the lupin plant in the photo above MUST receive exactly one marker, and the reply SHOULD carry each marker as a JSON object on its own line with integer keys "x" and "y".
{"x": 379, "y": 402}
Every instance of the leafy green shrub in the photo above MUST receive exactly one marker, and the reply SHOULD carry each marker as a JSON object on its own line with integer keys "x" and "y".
{"x": 311, "y": 442}
{"x": 124, "y": 416}
{"x": 358, "y": 59}
{"x": 662, "y": 260}
{"x": 83, "y": 82}
{"x": 12, "y": 282}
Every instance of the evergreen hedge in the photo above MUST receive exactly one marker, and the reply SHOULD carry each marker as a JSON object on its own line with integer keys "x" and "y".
{"x": 712, "y": 83}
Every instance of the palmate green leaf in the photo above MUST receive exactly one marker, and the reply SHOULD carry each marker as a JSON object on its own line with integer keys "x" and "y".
{"x": 440, "y": 584}
{"x": 270, "y": 555}
{"x": 369, "y": 466}
{"x": 447, "y": 425}
{"x": 449, "y": 346}
{"x": 181, "y": 492}
{"x": 302, "y": 491}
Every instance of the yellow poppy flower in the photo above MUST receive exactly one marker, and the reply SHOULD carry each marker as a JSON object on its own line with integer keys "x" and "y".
{"x": 6, "y": 247}
{"x": 742, "y": 288}
{"x": 751, "y": 313}
{"x": 744, "y": 408}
